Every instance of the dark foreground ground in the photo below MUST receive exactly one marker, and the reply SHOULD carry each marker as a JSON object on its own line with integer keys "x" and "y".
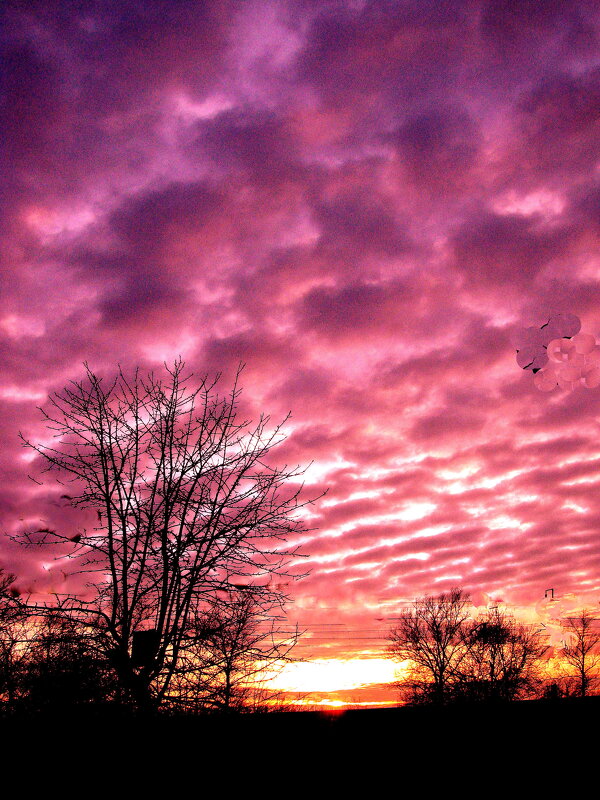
{"x": 528, "y": 745}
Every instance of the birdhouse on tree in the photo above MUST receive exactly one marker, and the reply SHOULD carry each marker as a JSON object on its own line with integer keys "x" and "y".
{"x": 145, "y": 645}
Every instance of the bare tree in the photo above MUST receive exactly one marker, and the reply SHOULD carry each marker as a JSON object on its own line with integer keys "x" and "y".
{"x": 12, "y": 632}
{"x": 47, "y": 660}
{"x": 453, "y": 657}
{"x": 61, "y": 667}
{"x": 429, "y": 637}
{"x": 502, "y": 658}
{"x": 186, "y": 502}
{"x": 581, "y": 649}
{"x": 240, "y": 644}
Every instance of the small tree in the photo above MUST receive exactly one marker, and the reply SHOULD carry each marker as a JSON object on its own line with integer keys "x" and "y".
{"x": 185, "y": 499}
{"x": 429, "y": 636}
{"x": 12, "y": 637}
{"x": 47, "y": 661}
{"x": 61, "y": 667}
{"x": 581, "y": 649}
{"x": 502, "y": 658}
{"x": 237, "y": 647}
{"x": 453, "y": 657}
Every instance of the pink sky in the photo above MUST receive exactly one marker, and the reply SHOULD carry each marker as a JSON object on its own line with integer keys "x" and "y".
{"x": 362, "y": 201}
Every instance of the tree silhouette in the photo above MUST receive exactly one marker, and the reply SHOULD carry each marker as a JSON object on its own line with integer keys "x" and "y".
{"x": 453, "y": 657}
{"x": 61, "y": 668}
{"x": 12, "y": 632}
{"x": 429, "y": 636}
{"x": 239, "y": 645}
{"x": 186, "y": 502}
{"x": 581, "y": 649}
{"x": 502, "y": 658}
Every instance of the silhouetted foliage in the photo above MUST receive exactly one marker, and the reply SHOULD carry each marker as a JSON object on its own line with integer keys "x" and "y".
{"x": 452, "y": 657}
{"x": 502, "y": 659}
{"x": 47, "y": 661}
{"x": 61, "y": 667}
{"x": 12, "y": 621}
{"x": 430, "y": 637}
{"x": 187, "y": 506}
{"x": 237, "y": 647}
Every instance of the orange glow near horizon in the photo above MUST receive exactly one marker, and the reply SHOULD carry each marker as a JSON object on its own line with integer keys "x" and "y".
{"x": 334, "y": 674}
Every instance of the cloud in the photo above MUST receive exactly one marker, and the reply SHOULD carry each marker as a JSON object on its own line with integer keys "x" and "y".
{"x": 359, "y": 200}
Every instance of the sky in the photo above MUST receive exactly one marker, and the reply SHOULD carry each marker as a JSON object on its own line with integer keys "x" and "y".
{"x": 364, "y": 202}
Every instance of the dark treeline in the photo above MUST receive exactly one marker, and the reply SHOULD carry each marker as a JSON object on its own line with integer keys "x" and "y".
{"x": 51, "y": 663}
{"x": 451, "y": 656}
